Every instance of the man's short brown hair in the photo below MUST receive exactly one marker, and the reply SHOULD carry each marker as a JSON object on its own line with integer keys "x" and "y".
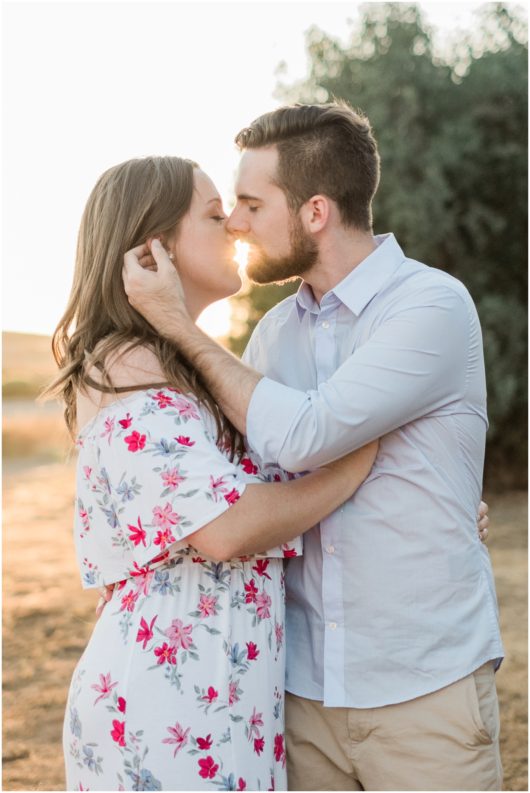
{"x": 323, "y": 149}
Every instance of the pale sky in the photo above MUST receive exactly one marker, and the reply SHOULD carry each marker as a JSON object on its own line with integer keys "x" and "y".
{"x": 89, "y": 84}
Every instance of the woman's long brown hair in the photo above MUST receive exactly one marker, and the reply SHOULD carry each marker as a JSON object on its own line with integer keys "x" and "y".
{"x": 130, "y": 203}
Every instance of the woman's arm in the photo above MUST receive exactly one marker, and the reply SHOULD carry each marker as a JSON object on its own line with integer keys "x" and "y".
{"x": 267, "y": 515}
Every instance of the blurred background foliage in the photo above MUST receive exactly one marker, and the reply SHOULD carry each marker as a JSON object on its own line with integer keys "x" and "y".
{"x": 452, "y": 135}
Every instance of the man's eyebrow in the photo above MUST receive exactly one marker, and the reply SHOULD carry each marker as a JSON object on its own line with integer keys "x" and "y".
{"x": 247, "y": 197}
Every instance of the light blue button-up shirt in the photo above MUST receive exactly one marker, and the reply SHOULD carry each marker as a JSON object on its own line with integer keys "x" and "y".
{"x": 394, "y": 596}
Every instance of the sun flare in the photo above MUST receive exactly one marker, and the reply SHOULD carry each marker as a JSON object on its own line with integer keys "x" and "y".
{"x": 216, "y": 320}
{"x": 241, "y": 256}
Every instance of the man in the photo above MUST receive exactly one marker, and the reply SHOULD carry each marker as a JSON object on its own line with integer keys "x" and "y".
{"x": 392, "y": 625}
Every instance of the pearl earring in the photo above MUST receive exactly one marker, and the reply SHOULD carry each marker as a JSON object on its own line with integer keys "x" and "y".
{"x": 171, "y": 256}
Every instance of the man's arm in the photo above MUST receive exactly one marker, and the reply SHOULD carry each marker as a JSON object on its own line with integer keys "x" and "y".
{"x": 414, "y": 363}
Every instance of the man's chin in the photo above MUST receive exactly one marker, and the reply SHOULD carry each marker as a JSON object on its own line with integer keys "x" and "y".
{"x": 267, "y": 273}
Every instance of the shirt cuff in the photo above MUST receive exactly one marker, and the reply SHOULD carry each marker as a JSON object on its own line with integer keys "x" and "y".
{"x": 271, "y": 413}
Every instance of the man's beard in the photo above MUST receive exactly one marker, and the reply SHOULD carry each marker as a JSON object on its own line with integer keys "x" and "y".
{"x": 264, "y": 269}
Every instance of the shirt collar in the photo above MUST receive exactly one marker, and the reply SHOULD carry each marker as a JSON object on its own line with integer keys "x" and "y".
{"x": 362, "y": 283}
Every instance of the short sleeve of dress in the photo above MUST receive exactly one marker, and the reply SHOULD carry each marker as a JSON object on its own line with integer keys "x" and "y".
{"x": 164, "y": 476}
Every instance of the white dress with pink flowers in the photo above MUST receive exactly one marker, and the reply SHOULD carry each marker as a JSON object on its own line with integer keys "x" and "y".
{"x": 181, "y": 686}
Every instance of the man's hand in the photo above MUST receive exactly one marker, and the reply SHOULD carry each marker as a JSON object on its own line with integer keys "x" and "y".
{"x": 106, "y": 595}
{"x": 157, "y": 295}
{"x": 483, "y": 521}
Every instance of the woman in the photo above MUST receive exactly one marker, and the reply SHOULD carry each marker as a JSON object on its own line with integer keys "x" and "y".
{"x": 181, "y": 685}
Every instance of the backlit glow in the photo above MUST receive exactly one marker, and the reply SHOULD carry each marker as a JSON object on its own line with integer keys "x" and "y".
{"x": 241, "y": 253}
{"x": 215, "y": 320}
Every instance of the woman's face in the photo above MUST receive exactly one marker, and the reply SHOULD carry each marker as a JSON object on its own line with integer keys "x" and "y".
{"x": 203, "y": 250}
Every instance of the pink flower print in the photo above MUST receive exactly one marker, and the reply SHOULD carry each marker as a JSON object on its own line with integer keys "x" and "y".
{"x": 251, "y": 591}
{"x": 184, "y": 441}
{"x": 279, "y": 751}
{"x": 163, "y": 538}
{"x": 259, "y": 745}
{"x": 207, "y": 605}
{"x": 128, "y": 601}
{"x": 108, "y": 429}
{"x": 135, "y": 442}
{"x": 278, "y": 629}
{"x": 263, "y": 602}
{"x": 217, "y": 486}
{"x": 254, "y": 722}
{"x": 232, "y": 692}
{"x": 252, "y": 651}
{"x": 289, "y": 552}
{"x": 197, "y": 559}
{"x": 208, "y": 768}
{"x": 87, "y": 471}
{"x": 172, "y": 478}
{"x": 104, "y": 687}
{"x": 83, "y": 514}
{"x": 180, "y": 634}
{"x": 142, "y": 578}
{"x": 179, "y": 737}
{"x": 185, "y": 408}
{"x": 166, "y": 653}
{"x": 145, "y": 631}
{"x": 160, "y": 558}
{"x": 118, "y": 733}
{"x": 248, "y": 466}
{"x": 137, "y": 534}
{"x": 121, "y": 704}
{"x": 164, "y": 517}
{"x": 126, "y": 422}
{"x": 261, "y": 567}
{"x": 233, "y": 496}
{"x": 241, "y": 785}
{"x": 205, "y": 743}
{"x": 211, "y": 696}
{"x": 162, "y": 399}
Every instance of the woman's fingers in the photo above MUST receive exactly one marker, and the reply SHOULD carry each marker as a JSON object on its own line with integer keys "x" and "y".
{"x": 482, "y": 509}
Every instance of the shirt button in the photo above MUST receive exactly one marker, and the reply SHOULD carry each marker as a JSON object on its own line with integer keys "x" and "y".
{"x": 330, "y": 549}
{"x": 332, "y": 625}
{"x": 325, "y": 324}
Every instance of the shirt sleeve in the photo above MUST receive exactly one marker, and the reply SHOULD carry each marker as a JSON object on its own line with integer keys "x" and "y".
{"x": 414, "y": 363}
{"x": 167, "y": 477}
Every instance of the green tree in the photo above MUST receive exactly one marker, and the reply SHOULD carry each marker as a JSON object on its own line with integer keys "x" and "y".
{"x": 452, "y": 135}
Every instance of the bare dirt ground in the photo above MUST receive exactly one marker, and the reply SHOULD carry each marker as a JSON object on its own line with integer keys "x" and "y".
{"x": 48, "y": 618}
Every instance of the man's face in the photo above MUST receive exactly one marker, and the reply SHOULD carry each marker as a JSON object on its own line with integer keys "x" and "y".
{"x": 280, "y": 248}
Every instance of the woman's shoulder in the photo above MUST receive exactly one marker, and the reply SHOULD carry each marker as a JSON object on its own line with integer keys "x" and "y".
{"x": 129, "y": 364}
{"x": 130, "y": 369}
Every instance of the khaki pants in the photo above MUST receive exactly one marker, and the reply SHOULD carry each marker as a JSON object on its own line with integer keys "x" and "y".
{"x": 447, "y": 740}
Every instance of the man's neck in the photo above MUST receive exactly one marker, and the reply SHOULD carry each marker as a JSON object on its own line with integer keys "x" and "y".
{"x": 339, "y": 254}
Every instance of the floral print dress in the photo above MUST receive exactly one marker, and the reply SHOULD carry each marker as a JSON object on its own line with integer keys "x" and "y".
{"x": 181, "y": 686}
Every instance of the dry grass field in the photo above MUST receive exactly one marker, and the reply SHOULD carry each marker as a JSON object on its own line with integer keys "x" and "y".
{"x": 47, "y": 618}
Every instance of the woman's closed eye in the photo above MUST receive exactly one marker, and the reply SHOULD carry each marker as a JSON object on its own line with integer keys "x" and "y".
{"x": 219, "y": 218}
